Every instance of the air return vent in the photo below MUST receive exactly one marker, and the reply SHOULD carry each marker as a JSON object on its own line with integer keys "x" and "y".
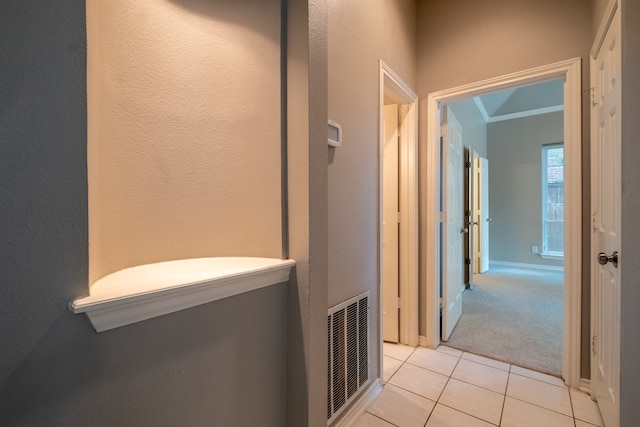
{"x": 348, "y": 355}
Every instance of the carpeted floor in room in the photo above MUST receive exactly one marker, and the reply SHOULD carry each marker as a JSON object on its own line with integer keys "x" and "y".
{"x": 514, "y": 315}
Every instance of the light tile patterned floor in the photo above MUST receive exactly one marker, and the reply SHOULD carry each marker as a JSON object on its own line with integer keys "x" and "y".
{"x": 450, "y": 388}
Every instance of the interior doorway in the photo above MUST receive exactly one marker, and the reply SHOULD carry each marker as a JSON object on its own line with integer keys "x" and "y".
{"x": 398, "y": 319}
{"x": 569, "y": 71}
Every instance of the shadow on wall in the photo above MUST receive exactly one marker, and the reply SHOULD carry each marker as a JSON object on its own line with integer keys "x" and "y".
{"x": 195, "y": 367}
{"x": 243, "y": 13}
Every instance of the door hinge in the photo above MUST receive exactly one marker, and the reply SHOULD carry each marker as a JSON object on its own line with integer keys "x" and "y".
{"x": 594, "y": 99}
{"x": 594, "y": 342}
{"x": 443, "y": 303}
{"x": 467, "y": 261}
{"x": 443, "y": 217}
{"x": 398, "y": 302}
{"x": 443, "y": 131}
{"x": 398, "y": 218}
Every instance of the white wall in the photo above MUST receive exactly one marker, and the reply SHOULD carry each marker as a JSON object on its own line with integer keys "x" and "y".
{"x": 515, "y": 185}
{"x": 183, "y": 131}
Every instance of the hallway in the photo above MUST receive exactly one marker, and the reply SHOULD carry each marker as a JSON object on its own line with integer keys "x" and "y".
{"x": 450, "y": 388}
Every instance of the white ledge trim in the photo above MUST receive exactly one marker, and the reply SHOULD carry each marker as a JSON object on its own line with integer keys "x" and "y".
{"x": 146, "y": 291}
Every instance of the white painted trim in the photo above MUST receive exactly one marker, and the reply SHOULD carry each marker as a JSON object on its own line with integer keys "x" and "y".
{"x": 400, "y": 92}
{"x": 525, "y": 265}
{"x": 422, "y": 341}
{"x": 358, "y": 408}
{"x": 570, "y": 71}
{"x": 612, "y": 6}
{"x": 143, "y": 292}
{"x": 528, "y": 113}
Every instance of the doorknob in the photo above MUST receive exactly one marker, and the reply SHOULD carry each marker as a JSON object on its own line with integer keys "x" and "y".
{"x": 603, "y": 259}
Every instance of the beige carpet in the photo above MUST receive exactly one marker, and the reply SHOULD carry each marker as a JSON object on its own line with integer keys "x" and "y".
{"x": 514, "y": 315}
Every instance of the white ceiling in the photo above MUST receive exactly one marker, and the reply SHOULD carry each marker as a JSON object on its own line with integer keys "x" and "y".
{"x": 530, "y": 100}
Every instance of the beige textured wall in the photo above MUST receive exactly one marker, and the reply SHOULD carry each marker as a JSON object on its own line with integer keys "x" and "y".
{"x": 599, "y": 7}
{"x": 464, "y": 41}
{"x": 360, "y": 33}
{"x": 183, "y": 130}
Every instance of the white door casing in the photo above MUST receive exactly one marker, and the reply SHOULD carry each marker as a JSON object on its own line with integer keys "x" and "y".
{"x": 392, "y": 89}
{"x": 390, "y": 222}
{"x": 452, "y": 215}
{"x": 483, "y": 171}
{"x": 605, "y": 216}
{"x": 570, "y": 71}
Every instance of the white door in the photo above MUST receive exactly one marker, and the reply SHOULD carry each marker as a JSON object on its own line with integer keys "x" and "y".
{"x": 483, "y": 170}
{"x": 453, "y": 222}
{"x": 390, "y": 223}
{"x": 605, "y": 240}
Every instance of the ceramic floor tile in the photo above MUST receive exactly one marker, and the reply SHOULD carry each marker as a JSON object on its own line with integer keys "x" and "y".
{"x": 473, "y": 400}
{"x": 443, "y": 416}
{"x": 585, "y": 409}
{"x": 540, "y": 393}
{"x": 537, "y": 376}
{"x": 449, "y": 350}
{"x": 401, "y": 407}
{"x": 397, "y": 351}
{"x": 486, "y": 361}
{"x": 522, "y": 414}
{"x": 368, "y": 420}
{"x": 389, "y": 367}
{"x": 433, "y": 360}
{"x": 420, "y": 381}
{"x": 481, "y": 375}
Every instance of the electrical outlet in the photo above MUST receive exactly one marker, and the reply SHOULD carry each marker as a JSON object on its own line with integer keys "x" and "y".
{"x": 534, "y": 249}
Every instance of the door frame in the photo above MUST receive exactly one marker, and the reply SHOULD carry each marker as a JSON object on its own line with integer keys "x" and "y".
{"x": 570, "y": 71}
{"x": 393, "y": 87}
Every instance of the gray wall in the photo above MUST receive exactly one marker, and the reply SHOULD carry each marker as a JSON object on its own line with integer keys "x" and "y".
{"x": 630, "y": 250}
{"x": 474, "y": 128}
{"x": 222, "y": 363}
{"x": 361, "y": 32}
{"x": 515, "y": 185}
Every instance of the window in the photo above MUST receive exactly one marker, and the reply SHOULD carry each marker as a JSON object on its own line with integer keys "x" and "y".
{"x": 553, "y": 200}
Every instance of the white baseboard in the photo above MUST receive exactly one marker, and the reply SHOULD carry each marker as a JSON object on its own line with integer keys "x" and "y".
{"x": 422, "y": 341}
{"x": 360, "y": 405}
{"x": 585, "y": 386}
{"x": 525, "y": 265}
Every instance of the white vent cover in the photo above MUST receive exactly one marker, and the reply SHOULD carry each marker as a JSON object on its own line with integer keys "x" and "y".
{"x": 348, "y": 354}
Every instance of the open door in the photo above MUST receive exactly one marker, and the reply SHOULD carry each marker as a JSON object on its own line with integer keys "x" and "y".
{"x": 605, "y": 237}
{"x": 452, "y": 218}
{"x": 484, "y": 219}
{"x": 469, "y": 221}
{"x": 390, "y": 226}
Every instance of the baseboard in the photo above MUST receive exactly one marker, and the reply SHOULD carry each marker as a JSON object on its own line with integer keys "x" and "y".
{"x": 525, "y": 265}
{"x": 585, "y": 386}
{"x": 359, "y": 406}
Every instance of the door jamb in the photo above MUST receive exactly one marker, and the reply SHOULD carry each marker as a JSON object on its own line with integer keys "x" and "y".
{"x": 395, "y": 88}
{"x": 570, "y": 70}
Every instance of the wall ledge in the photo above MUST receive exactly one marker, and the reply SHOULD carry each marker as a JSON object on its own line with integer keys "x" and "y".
{"x": 146, "y": 291}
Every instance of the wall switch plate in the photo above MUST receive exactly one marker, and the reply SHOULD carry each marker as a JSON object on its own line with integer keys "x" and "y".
{"x": 534, "y": 249}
